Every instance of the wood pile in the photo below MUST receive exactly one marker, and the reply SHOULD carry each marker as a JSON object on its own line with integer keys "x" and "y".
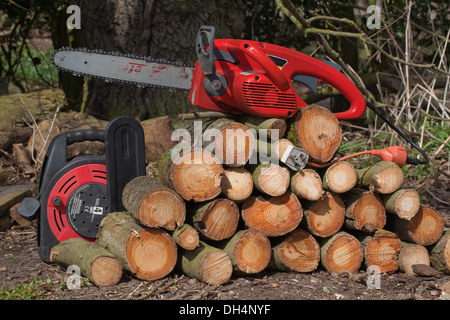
{"x": 211, "y": 219}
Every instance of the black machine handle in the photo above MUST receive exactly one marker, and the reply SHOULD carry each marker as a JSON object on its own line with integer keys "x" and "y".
{"x": 85, "y": 135}
{"x": 206, "y": 55}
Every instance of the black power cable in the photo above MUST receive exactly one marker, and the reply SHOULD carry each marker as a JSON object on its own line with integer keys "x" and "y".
{"x": 409, "y": 160}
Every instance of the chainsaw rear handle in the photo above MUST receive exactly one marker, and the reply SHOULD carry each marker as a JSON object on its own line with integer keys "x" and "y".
{"x": 298, "y": 63}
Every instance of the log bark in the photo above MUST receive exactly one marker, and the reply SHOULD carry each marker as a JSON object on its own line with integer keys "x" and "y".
{"x": 339, "y": 177}
{"x": 249, "y": 251}
{"x": 186, "y": 237}
{"x": 299, "y": 252}
{"x": 158, "y": 134}
{"x": 317, "y": 131}
{"x": 405, "y": 203}
{"x": 425, "y": 228}
{"x": 382, "y": 177}
{"x": 341, "y": 252}
{"x": 307, "y": 184}
{"x": 324, "y": 217}
{"x": 270, "y": 178}
{"x": 207, "y": 264}
{"x": 273, "y": 216}
{"x": 440, "y": 253}
{"x": 237, "y": 183}
{"x": 153, "y": 204}
{"x": 364, "y": 211}
{"x": 271, "y": 128}
{"x": 382, "y": 250}
{"x": 216, "y": 219}
{"x": 96, "y": 263}
{"x": 233, "y": 142}
{"x": 195, "y": 174}
{"x": 147, "y": 253}
{"x": 412, "y": 254}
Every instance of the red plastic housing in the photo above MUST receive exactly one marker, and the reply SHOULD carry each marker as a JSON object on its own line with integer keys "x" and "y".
{"x": 259, "y": 86}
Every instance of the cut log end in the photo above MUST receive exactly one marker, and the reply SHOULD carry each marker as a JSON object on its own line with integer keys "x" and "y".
{"x": 382, "y": 177}
{"x": 274, "y": 216}
{"x": 366, "y": 214}
{"x": 326, "y": 216}
{"x": 318, "y": 132}
{"x": 162, "y": 208}
{"x": 272, "y": 179}
{"x": 382, "y": 250}
{"x": 307, "y": 184}
{"x": 217, "y": 219}
{"x": 105, "y": 271}
{"x": 440, "y": 253}
{"x": 340, "y": 177}
{"x": 426, "y": 227}
{"x": 342, "y": 252}
{"x": 216, "y": 267}
{"x": 405, "y": 203}
{"x": 252, "y": 251}
{"x": 237, "y": 184}
{"x": 299, "y": 252}
{"x": 196, "y": 175}
{"x": 151, "y": 253}
{"x": 186, "y": 237}
{"x": 412, "y": 254}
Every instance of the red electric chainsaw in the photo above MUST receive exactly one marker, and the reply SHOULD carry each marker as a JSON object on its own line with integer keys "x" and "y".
{"x": 234, "y": 76}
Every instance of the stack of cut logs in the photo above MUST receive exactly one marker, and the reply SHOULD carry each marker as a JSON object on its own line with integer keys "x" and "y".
{"x": 210, "y": 213}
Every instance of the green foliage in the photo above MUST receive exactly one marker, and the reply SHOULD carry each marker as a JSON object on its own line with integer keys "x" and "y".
{"x": 25, "y": 291}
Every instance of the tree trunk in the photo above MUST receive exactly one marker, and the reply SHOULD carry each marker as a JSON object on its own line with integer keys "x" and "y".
{"x": 307, "y": 184}
{"x": 186, "y": 237}
{"x": 410, "y": 255}
{"x": 206, "y": 263}
{"x": 162, "y": 30}
{"x": 340, "y": 177}
{"x": 299, "y": 252}
{"x": 216, "y": 219}
{"x": 232, "y": 141}
{"x": 149, "y": 254}
{"x": 249, "y": 251}
{"x": 440, "y": 253}
{"x": 425, "y": 228}
{"x": 324, "y": 217}
{"x": 382, "y": 250}
{"x": 153, "y": 204}
{"x": 96, "y": 263}
{"x": 237, "y": 184}
{"x": 364, "y": 211}
{"x": 382, "y": 177}
{"x": 270, "y": 178}
{"x": 318, "y": 132}
{"x": 341, "y": 252}
{"x": 405, "y": 203}
{"x": 195, "y": 175}
{"x": 273, "y": 216}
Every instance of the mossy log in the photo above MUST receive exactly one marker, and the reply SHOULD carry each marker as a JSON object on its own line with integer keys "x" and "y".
{"x": 206, "y": 263}
{"x": 153, "y": 204}
{"x": 186, "y": 237}
{"x": 405, "y": 203}
{"x": 96, "y": 263}
{"x": 147, "y": 253}
{"x": 382, "y": 177}
{"x": 440, "y": 253}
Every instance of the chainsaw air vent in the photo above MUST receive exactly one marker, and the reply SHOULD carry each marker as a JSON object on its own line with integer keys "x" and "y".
{"x": 267, "y": 95}
{"x": 226, "y": 107}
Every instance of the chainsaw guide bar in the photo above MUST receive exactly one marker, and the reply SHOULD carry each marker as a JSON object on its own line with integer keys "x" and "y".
{"x": 123, "y": 68}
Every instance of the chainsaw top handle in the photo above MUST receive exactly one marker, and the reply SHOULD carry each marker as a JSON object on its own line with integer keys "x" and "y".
{"x": 297, "y": 63}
